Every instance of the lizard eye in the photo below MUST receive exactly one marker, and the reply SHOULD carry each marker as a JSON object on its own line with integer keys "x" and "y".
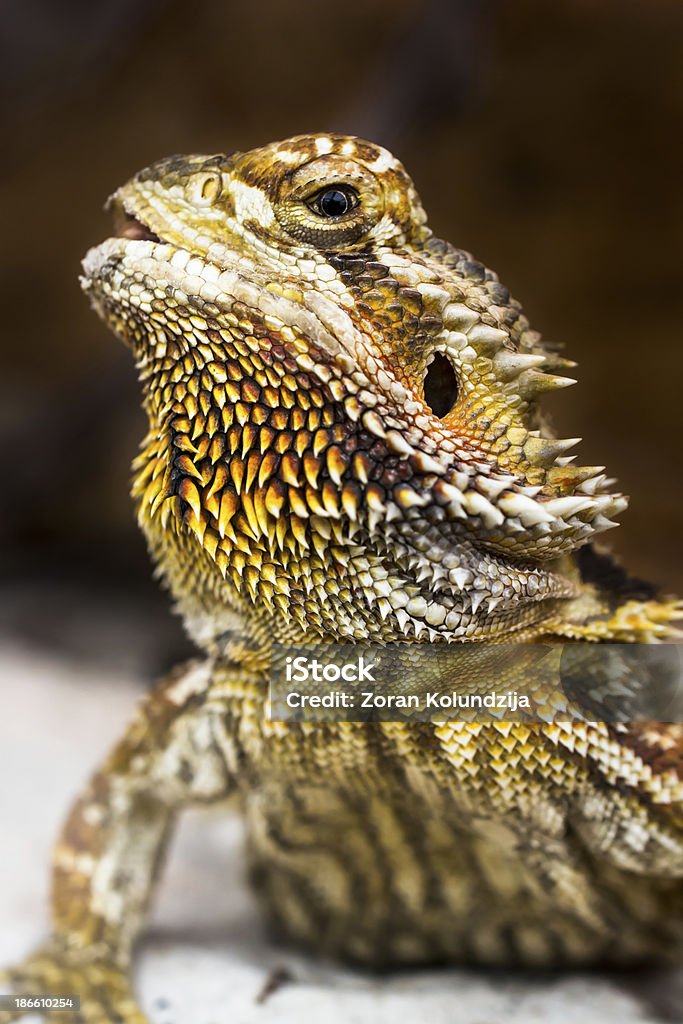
{"x": 334, "y": 202}
{"x": 440, "y": 385}
{"x": 330, "y": 203}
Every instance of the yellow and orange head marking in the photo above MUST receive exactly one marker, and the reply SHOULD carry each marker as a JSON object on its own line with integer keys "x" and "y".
{"x": 293, "y": 318}
{"x": 269, "y": 197}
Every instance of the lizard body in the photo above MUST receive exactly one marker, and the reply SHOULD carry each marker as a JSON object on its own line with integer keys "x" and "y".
{"x": 345, "y": 444}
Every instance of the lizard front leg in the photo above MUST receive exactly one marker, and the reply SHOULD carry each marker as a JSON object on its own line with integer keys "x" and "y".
{"x": 107, "y": 857}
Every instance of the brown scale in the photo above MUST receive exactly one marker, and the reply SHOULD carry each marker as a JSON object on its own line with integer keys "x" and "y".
{"x": 405, "y": 328}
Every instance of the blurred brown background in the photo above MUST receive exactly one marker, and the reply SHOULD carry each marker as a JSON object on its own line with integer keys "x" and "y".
{"x": 545, "y": 137}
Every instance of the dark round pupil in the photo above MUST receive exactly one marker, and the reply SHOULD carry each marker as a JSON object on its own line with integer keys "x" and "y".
{"x": 334, "y": 203}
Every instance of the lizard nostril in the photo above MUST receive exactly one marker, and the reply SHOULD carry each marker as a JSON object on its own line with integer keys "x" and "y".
{"x": 440, "y": 385}
{"x": 205, "y": 188}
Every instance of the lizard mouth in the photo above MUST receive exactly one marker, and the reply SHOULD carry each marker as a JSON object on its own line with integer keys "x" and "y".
{"x": 128, "y": 226}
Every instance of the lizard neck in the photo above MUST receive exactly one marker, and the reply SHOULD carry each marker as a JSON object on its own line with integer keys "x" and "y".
{"x": 354, "y": 581}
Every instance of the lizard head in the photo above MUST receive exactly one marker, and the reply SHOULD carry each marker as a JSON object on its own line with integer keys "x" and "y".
{"x": 345, "y": 433}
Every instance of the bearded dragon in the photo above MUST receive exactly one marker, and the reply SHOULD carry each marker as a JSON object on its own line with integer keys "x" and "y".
{"x": 345, "y": 444}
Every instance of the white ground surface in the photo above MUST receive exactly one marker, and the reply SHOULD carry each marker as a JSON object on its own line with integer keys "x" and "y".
{"x": 206, "y": 957}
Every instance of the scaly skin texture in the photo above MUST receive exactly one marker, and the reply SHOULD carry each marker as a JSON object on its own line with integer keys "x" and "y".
{"x": 292, "y": 317}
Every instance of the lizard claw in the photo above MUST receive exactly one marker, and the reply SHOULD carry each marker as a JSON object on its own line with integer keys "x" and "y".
{"x": 53, "y": 971}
